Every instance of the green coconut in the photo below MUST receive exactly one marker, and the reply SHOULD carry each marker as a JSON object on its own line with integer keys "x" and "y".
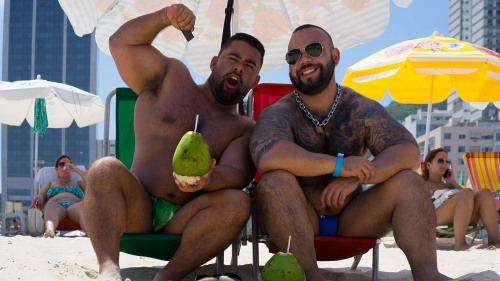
{"x": 191, "y": 158}
{"x": 284, "y": 267}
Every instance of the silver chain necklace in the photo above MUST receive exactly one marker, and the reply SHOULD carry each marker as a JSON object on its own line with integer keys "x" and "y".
{"x": 318, "y": 126}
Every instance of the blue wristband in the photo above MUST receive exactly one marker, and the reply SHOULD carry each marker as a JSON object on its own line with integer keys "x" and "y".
{"x": 209, "y": 179}
{"x": 338, "y": 166}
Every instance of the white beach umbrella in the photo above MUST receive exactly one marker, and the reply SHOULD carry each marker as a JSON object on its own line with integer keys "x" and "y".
{"x": 350, "y": 22}
{"x": 63, "y": 104}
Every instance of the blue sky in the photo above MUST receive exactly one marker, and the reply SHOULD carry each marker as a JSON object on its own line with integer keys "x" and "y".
{"x": 419, "y": 20}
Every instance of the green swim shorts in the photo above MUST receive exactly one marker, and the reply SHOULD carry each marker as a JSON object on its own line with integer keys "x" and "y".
{"x": 162, "y": 213}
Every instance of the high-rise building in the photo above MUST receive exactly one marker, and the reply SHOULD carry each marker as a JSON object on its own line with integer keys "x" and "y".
{"x": 477, "y": 22}
{"x": 39, "y": 40}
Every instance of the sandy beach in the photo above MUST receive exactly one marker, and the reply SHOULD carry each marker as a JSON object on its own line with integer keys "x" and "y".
{"x": 64, "y": 258}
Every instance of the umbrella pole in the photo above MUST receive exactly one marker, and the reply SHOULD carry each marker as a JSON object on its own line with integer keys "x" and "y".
{"x": 428, "y": 121}
{"x": 36, "y": 162}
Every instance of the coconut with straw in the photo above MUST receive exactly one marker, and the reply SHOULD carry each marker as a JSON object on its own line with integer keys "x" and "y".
{"x": 283, "y": 266}
{"x": 192, "y": 157}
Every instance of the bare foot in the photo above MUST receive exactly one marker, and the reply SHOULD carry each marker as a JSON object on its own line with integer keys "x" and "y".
{"x": 109, "y": 272}
{"x": 49, "y": 233}
{"x": 465, "y": 247}
{"x": 110, "y": 277}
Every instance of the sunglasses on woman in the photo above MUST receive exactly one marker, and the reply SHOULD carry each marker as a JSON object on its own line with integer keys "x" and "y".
{"x": 61, "y": 164}
{"x": 441, "y": 161}
{"x": 313, "y": 50}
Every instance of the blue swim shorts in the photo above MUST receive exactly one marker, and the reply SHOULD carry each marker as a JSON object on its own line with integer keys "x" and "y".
{"x": 328, "y": 225}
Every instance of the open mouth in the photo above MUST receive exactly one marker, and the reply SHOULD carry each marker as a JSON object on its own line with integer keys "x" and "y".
{"x": 233, "y": 80}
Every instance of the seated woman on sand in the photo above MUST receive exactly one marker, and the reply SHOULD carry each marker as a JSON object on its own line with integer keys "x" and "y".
{"x": 456, "y": 205}
{"x": 63, "y": 198}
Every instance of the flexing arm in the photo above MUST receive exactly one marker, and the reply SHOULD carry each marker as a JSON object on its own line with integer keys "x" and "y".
{"x": 140, "y": 64}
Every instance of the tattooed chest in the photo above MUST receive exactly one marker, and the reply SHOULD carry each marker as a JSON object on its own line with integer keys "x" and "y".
{"x": 344, "y": 139}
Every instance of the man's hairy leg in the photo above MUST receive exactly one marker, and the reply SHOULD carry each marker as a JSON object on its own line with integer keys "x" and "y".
{"x": 208, "y": 224}
{"x": 402, "y": 202}
{"x": 115, "y": 203}
{"x": 284, "y": 212}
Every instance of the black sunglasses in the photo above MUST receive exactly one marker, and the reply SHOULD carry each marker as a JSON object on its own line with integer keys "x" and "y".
{"x": 61, "y": 164}
{"x": 313, "y": 50}
{"x": 441, "y": 161}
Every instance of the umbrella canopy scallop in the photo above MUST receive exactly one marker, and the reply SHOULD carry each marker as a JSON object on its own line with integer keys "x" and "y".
{"x": 416, "y": 70}
{"x": 63, "y": 103}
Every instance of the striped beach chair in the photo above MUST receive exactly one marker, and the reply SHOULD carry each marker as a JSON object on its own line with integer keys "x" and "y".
{"x": 484, "y": 172}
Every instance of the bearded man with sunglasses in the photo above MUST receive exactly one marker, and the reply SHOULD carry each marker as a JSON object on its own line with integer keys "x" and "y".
{"x": 209, "y": 214}
{"x": 310, "y": 147}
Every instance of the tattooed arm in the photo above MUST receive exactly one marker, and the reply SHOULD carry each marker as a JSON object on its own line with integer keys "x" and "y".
{"x": 394, "y": 148}
{"x": 273, "y": 146}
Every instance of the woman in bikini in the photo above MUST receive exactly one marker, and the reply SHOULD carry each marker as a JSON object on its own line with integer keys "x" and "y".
{"x": 457, "y": 205}
{"x": 63, "y": 198}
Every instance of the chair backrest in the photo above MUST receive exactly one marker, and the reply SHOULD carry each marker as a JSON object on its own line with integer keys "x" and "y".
{"x": 125, "y": 136}
{"x": 484, "y": 169}
{"x": 47, "y": 174}
{"x": 266, "y": 94}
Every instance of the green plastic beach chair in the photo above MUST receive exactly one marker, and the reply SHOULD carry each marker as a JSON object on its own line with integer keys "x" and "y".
{"x": 158, "y": 246}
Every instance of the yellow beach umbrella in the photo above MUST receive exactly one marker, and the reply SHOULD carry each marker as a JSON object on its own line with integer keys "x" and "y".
{"x": 426, "y": 70}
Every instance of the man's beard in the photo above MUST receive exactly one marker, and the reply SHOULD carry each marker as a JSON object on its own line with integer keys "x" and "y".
{"x": 315, "y": 87}
{"x": 222, "y": 95}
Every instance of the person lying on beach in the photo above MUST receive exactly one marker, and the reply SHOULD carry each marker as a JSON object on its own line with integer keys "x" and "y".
{"x": 457, "y": 205}
{"x": 310, "y": 147}
{"x": 210, "y": 214}
{"x": 64, "y": 198}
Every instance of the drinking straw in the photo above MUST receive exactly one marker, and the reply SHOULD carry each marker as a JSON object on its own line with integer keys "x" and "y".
{"x": 196, "y": 123}
{"x": 288, "y": 248}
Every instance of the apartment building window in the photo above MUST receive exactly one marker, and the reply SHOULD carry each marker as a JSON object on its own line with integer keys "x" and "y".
{"x": 486, "y": 148}
{"x": 488, "y": 136}
{"x": 447, "y": 148}
{"x": 461, "y": 148}
{"x": 475, "y": 136}
{"x": 18, "y": 192}
{"x": 475, "y": 149}
{"x": 463, "y": 136}
{"x": 497, "y": 137}
{"x": 447, "y": 136}
{"x": 460, "y": 162}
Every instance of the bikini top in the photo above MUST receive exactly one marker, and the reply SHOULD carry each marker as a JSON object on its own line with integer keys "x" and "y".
{"x": 54, "y": 190}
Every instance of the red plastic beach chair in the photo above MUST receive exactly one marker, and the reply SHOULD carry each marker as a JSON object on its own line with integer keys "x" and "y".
{"x": 328, "y": 248}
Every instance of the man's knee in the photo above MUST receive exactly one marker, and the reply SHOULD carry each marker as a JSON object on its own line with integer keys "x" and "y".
{"x": 274, "y": 182}
{"x": 409, "y": 183}
{"x": 105, "y": 169}
{"x": 237, "y": 204}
